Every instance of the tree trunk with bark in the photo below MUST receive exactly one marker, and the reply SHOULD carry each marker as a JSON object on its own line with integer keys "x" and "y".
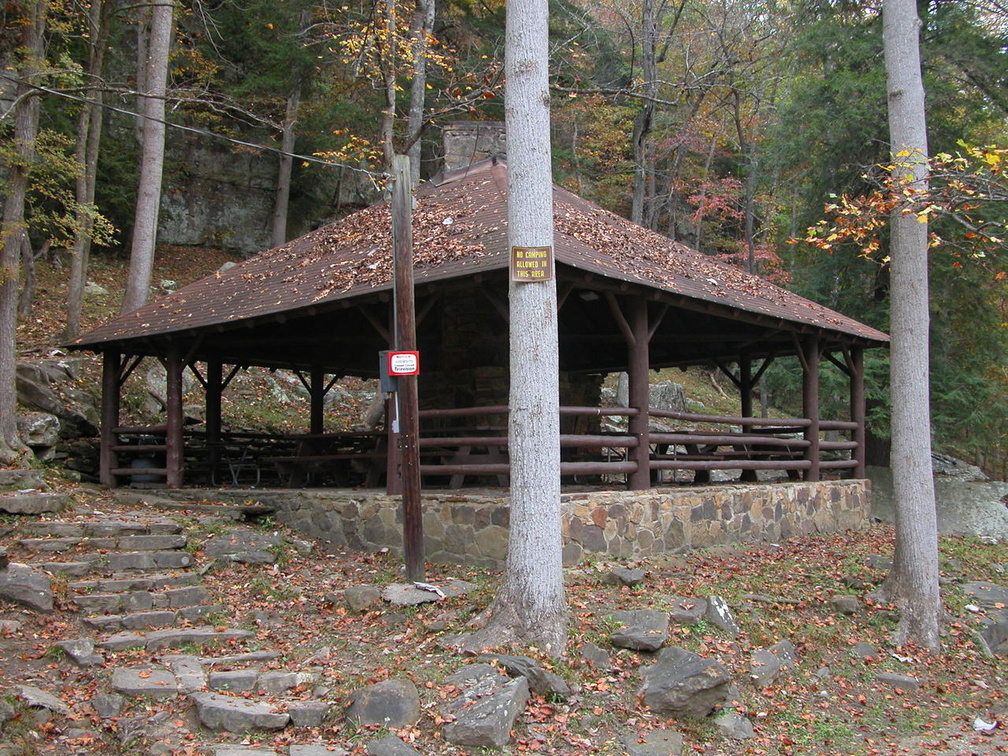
{"x": 12, "y": 232}
{"x": 421, "y": 27}
{"x": 151, "y": 158}
{"x": 29, "y": 278}
{"x": 89, "y": 129}
{"x": 282, "y": 203}
{"x": 389, "y": 79}
{"x": 913, "y": 582}
{"x": 644, "y": 121}
{"x": 531, "y": 606}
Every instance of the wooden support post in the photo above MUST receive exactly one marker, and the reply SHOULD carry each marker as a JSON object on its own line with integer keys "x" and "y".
{"x": 640, "y": 394}
{"x": 409, "y": 422}
{"x": 317, "y": 390}
{"x": 174, "y": 457}
{"x": 111, "y": 365}
{"x": 810, "y": 404}
{"x": 857, "y": 410}
{"x": 214, "y": 395}
{"x": 745, "y": 386}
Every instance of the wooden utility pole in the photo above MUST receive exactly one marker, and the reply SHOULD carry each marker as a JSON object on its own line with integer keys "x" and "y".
{"x": 405, "y": 340}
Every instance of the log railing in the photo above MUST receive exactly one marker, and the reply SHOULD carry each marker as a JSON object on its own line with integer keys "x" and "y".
{"x": 472, "y": 442}
{"x": 719, "y": 442}
{"x": 138, "y": 453}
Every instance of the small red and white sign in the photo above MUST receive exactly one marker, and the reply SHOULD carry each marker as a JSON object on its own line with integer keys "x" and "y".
{"x": 404, "y": 363}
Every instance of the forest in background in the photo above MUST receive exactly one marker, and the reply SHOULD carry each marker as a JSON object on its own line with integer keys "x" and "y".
{"x": 734, "y": 127}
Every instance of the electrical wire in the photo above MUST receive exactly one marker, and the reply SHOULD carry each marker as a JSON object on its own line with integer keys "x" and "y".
{"x": 190, "y": 129}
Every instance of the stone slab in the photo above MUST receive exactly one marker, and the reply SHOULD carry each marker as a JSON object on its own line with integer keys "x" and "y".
{"x": 159, "y": 639}
{"x": 307, "y": 713}
{"x": 32, "y": 503}
{"x": 234, "y": 681}
{"x": 144, "y": 682}
{"x": 317, "y": 750}
{"x": 148, "y": 620}
{"x": 27, "y": 586}
{"x": 231, "y": 714}
{"x": 40, "y": 699}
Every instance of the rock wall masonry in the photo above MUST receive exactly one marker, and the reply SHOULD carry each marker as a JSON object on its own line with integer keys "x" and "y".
{"x": 474, "y": 528}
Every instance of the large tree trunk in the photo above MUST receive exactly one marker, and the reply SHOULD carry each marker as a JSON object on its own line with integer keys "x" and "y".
{"x": 26, "y": 118}
{"x": 644, "y": 121}
{"x": 29, "y": 279}
{"x": 282, "y": 203}
{"x": 530, "y": 607}
{"x": 422, "y": 24}
{"x": 151, "y": 158}
{"x": 89, "y": 129}
{"x": 389, "y": 77}
{"x": 913, "y": 582}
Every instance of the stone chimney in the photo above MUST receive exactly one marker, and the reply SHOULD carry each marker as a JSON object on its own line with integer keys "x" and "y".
{"x": 466, "y": 142}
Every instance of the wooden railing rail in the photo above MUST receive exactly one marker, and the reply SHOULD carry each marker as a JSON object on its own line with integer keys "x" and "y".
{"x": 747, "y": 444}
{"x": 790, "y": 422}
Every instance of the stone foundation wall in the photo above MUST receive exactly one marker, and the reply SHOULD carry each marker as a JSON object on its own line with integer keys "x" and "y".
{"x": 473, "y": 529}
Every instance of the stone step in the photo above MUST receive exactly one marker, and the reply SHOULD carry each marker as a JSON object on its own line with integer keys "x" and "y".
{"x": 159, "y": 639}
{"x": 33, "y": 502}
{"x": 222, "y": 713}
{"x": 105, "y": 527}
{"x": 48, "y": 545}
{"x": 135, "y": 583}
{"x": 120, "y": 564}
{"x": 57, "y": 529}
{"x": 149, "y": 620}
{"x": 22, "y": 478}
{"x": 254, "y": 680}
{"x": 141, "y": 600}
{"x": 84, "y": 566}
{"x": 230, "y": 714}
{"x": 115, "y": 623}
{"x": 123, "y": 543}
{"x": 158, "y": 619}
{"x": 228, "y": 510}
{"x": 136, "y": 561}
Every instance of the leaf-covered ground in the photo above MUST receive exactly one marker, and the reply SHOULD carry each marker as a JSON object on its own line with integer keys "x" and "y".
{"x": 830, "y": 703}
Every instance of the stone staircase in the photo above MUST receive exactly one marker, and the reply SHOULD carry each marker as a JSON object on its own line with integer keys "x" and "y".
{"x": 135, "y": 582}
{"x": 135, "y": 574}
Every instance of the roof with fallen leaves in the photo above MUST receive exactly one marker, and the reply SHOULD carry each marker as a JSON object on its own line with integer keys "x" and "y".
{"x": 459, "y": 229}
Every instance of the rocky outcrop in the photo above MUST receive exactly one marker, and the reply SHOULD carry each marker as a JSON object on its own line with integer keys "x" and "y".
{"x": 46, "y": 386}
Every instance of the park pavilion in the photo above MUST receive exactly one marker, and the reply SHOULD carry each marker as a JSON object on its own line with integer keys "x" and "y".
{"x": 628, "y": 300}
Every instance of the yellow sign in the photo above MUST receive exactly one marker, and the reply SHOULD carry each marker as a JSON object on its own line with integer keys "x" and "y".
{"x": 531, "y": 264}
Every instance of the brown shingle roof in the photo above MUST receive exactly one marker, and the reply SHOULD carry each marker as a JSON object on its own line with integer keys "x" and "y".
{"x": 459, "y": 228}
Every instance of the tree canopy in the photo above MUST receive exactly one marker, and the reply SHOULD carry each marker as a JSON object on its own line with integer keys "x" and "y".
{"x": 731, "y": 126}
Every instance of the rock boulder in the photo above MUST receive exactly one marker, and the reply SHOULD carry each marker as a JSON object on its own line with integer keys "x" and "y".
{"x": 683, "y": 684}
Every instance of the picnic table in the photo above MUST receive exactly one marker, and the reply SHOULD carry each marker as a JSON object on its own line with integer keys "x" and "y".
{"x": 342, "y": 459}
